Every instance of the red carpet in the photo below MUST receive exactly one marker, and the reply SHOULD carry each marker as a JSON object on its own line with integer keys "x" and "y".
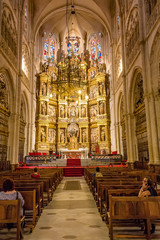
{"x": 73, "y": 172}
{"x": 71, "y": 162}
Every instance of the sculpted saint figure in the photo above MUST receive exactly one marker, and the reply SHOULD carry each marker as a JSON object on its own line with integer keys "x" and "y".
{"x": 43, "y": 108}
{"x": 62, "y": 137}
{"x": 44, "y": 89}
{"x": 83, "y": 111}
{"x": 101, "y": 108}
{"x": 43, "y": 135}
{"x": 84, "y": 136}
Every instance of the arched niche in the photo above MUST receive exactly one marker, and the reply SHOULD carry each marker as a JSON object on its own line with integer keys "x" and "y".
{"x": 142, "y": 151}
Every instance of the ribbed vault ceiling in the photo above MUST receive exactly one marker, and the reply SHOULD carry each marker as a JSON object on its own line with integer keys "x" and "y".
{"x": 90, "y": 16}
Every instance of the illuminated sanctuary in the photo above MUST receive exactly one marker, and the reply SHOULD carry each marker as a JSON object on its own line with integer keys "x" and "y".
{"x": 80, "y": 76}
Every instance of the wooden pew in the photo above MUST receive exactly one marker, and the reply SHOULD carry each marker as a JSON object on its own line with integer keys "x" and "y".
{"x": 132, "y": 208}
{"x": 31, "y": 208}
{"x": 104, "y": 198}
{"x": 10, "y": 212}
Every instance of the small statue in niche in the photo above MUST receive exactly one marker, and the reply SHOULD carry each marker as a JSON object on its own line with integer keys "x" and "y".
{"x": 103, "y": 137}
{"x": 92, "y": 74}
{"x": 101, "y": 108}
{"x": 62, "y": 138}
{"x": 43, "y": 108}
{"x": 62, "y": 112}
{"x": 101, "y": 88}
{"x": 51, "y": 135}
{"x": 73, "y": 112}
{"x": 84, "y": 136}
{"x": 43, "y": 134}
{"x": 44, "y": 89}
{"x": 82, "y": 75}
{"x": 83, "y": 111}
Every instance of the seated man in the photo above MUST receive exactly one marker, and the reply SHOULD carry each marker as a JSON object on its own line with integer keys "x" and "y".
{"x": 97, "y": 173}
{"x": 147, "y": 189}
{"x": 35, "y": 174}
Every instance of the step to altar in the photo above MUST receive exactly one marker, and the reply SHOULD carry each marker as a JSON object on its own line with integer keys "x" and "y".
{"x": 73, "y": 171}
{"x": 73, "y": 162}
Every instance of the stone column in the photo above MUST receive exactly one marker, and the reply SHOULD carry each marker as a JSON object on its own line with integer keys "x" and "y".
{"x": 128, "y": 136}
{"x": 15, "y": 116}
{"x": 152, "y": 132}
{"x": 117, "y": 133}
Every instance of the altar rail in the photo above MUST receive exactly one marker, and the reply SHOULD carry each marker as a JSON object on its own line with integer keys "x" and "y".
{"x": 108, "y": 159}
{"x": 40, "y": 159}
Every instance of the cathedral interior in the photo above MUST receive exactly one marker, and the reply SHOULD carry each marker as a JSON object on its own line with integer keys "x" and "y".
{"x": 80, "y": 101}
{"x": 80, "y": 74}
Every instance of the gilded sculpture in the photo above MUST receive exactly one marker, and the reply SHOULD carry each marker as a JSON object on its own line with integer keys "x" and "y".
{"x": 72, "y": 113}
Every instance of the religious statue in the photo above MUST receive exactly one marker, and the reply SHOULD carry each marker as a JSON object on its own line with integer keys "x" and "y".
{"x": 73, "y": 135}
{"x": 51, "y": 135}
{"x": 73, "y": 111}
{"x": 84, "y": 135}
{"x": 52, "y": 111}
{"x": 83, "y": 111}
{"x": 43, "y": 134}
{"x": 94, "y": 135}
{"x": 53, "y": 76}
{"x": 101, "y": 108}
{"x": 103, "y": 137}
{"x": 62, "y": 137}
{"x": 93, "y": 92}
{"x": 93, "y": 111}
{"x": 44, "y": 89}
{"x": 43, "y": 108}
{"x": 62, "y": 115}
{"x": 101, "y": 88}
{"x": 92, "y": 74}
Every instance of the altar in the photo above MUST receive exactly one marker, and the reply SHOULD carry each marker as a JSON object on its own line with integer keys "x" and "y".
{"x": 81, "y": 153}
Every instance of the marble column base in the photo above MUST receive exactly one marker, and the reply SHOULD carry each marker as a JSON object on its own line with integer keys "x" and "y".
{"x": 130, "y": 165}
{"x": 14, "y": 166}
{"x": 154, "y": 168}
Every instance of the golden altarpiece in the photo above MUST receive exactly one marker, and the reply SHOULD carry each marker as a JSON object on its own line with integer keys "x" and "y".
{"x": 73, "y": 107}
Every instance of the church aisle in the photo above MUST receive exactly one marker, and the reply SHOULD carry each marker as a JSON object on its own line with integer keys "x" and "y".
{"x": 72, "y": 214}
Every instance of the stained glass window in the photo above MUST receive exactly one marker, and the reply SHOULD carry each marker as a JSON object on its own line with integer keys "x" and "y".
{"x": 93, "y": 49}
{"x": 25, "y": 19}
{"x": 69, "y": 48}
{"x": 46, "y": 46}
{"x": 99, "y": 53}
{"x": 52, "y": 49}
{"x": 49, "y": 49}
{"x": 76, "y": 48}
{"x": 96, "y": 52}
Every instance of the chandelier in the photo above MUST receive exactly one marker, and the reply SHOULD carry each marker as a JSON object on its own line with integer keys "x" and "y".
{"x": 71, "y": 70}
{"x": 72, "y": 76}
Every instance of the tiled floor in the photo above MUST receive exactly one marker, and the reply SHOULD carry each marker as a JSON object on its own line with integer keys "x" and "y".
{"x": 72, "y": 214}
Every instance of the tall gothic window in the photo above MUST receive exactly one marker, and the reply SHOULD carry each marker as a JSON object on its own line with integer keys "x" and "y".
{"x": 69, "y": 49}
{"x": 25, "y": 19}
{"x": 73, "y": 43}
{"x": 93, "y": 49}
{"x": 49, "y": 49}
{"x": 96, "y": 52}
{"x": 99, "y": 52}
{"x": 76, "y": 48}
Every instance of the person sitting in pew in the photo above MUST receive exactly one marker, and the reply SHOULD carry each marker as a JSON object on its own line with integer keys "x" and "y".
{"x": 9, "y": 193}
{"x": 97, "y": 173}
{"x": 35, "y": 174}
{"x": 147, "y": 189}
